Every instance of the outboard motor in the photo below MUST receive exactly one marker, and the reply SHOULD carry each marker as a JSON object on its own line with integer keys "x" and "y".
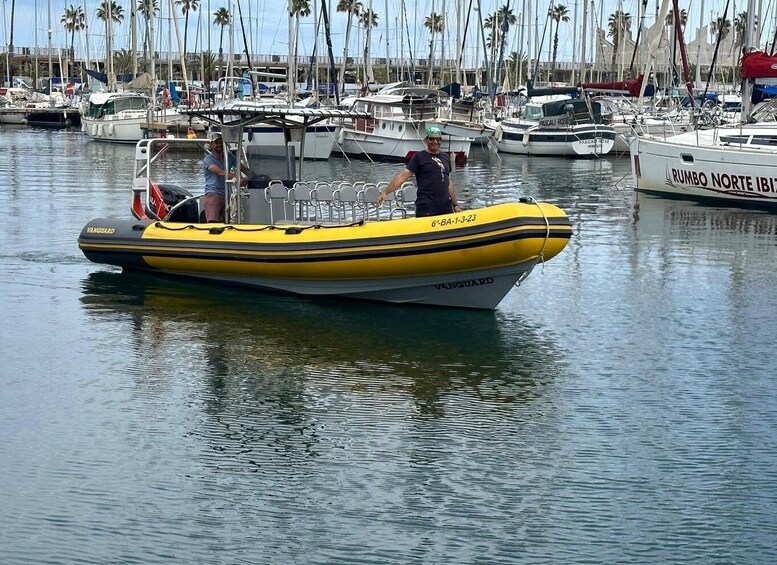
{"x": 259, "y": 181}
{"x": 172, "y": 195}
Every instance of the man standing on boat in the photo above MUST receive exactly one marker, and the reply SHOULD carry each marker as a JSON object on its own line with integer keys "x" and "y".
{"x": 216, "y": 175}
{"x": 432, "y": 170}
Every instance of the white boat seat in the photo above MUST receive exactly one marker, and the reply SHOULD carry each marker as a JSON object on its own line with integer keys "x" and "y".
{"x": 301, "y": 198}
{"x": 369, "y": 201}
{"x": 322, "y": 198}
{"x": 277, "y": 196}
{"x": 345, "y": 201}
{"x": 390, "y": 200}
{"x": 406, "y": 195}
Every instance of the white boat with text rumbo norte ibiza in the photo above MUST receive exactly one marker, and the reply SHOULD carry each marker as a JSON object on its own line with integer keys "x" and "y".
{"x": 730, "y": 165}
{"x": 320, "y": 238}
{"x": 397, "y": 126}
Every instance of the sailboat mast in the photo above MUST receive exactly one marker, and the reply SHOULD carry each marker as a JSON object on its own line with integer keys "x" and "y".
{"x": 583, "y": 41}
{"x": 151, "y": 46}
{"x": 747, "y": 44}
{"x": 388, "y": 29}
{"x": 683, "y": 51}
{"x": 698, "y": 47}
{"x": 51, "y": 65}
{"x": 133, "y": 41}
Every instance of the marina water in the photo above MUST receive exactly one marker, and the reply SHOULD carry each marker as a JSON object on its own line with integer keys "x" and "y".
{"x": 619, "y": 407}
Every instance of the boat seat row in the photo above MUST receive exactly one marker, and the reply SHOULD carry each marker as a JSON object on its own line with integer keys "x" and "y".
{"x": 337, "y": 202}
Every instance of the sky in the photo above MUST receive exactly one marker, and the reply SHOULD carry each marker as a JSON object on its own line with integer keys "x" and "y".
{"x": 267, "y": 25}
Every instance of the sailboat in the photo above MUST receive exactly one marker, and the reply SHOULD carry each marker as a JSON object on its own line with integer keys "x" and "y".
{"x": 734, "y": 165}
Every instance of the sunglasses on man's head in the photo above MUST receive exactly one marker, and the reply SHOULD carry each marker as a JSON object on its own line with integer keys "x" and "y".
{"x": 434, "y": 138}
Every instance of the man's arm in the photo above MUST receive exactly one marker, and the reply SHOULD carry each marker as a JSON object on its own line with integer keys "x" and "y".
{"x": 395, "y": 183}
{"x": 454, "y": 199}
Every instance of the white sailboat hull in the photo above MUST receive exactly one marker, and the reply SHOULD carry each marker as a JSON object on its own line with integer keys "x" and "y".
{"x": 588, "y": 140}
{"x": 386, "y": 146}
{"x": 729, "y": 174}
{"x": 319, "y": 139}
{"x": 115, "y": 129}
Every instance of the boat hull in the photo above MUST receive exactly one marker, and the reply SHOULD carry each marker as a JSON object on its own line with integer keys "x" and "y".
{"x": 54, "y": 118}
{"x": 319, "y": 139}
{"x": 581, "y": 141}
{"x": 727, "y": 175}
{"x": 469, "y": 259}
{"x": 13, "y": 116}
{"x": 115, "y": 130}
{"x": 392, "y": 145}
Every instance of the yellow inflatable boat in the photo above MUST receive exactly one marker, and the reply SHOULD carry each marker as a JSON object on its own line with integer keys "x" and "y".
{"x": 280, "y": 238}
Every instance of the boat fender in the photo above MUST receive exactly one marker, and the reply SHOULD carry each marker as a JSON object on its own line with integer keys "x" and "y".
{"x": 158, "y": 204}
{"x": 498, "y": 132}
{"x": 340, "y": 136}
{"x": 110, "y": 129}
{"x": 526, "y": 136}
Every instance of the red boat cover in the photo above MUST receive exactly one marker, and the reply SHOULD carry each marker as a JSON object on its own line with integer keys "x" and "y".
{"x": 759, "y": 65}
{"x": 631, "y": 86}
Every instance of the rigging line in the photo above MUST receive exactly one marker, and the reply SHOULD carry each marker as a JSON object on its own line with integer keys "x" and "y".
{"x": 542, "y": 42}
{"x": 639, "y": 33}
{"x": 715, "y": 55}
{"x": 464, "y": 35}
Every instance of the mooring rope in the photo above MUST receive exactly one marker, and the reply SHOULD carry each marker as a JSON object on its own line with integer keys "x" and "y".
{"x": 541, "y": 255}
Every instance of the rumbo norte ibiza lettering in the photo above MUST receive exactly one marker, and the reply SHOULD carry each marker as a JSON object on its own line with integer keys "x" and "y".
{"x": 725, "y": 181}
{"x": 464, "y": 284}
{"x": 732, "y": 182}
{"x": 681, "y": 176}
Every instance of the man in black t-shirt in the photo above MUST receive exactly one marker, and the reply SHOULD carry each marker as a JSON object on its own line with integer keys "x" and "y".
{"x": 432, "y": 170}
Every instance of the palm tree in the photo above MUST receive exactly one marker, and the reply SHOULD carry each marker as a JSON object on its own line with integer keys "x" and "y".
{"x": 298, "y": 9}
{"x": 208, "y": 62}
{"x": 558, "y": 13}
{"x": 617, "y": 24}
{"x": 683, "y": 17}
{"x": 74, "y": 20}
{"x": 368, "y": 19}
{"x": 109, "y": 12}
{"x": 721, "y": 27}
{"x": 517, "y": 58}
{"x": 221, "y": 18}
{"x": 123, "y": 61}
{"x": 740, "y": 25}
{"x": 186, "y": 7}
{"x": 146, "y": 8}
{"x": 435, "y": 23}
{"x": 499, "y": 23}
{"x": 506, "y": 19}
{"x": 352, "y": 8}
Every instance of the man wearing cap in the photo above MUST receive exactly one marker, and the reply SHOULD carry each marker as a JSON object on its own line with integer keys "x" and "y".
{"x": 216, "y": 174}
{"x": 432, "y": 170}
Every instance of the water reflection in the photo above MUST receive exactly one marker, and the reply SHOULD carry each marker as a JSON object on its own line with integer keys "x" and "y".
{"x": 689, "y": 223}
{"x": 420, "y": 352}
